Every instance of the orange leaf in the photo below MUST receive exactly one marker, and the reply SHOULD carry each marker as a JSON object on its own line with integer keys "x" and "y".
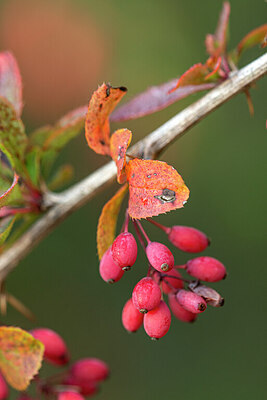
{"x": 101, "y": 105}
{"x": 108, "y": 220}
{"x": 216, "y": 44}
{"x": 155, "y": 188}
{"x": 119, "y": 143}
{"x": 20, "y": 356}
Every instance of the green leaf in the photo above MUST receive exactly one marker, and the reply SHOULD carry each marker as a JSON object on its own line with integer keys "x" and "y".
{"x": 13, "y": 140}
{"x": 62, "y": 177}
{"x": 11, "y": 194}
{"x": 253, "y": 38}
{"x": 20, "y": 356}
{"x": 5, "y": 228}
{"x": 33, "y": 164}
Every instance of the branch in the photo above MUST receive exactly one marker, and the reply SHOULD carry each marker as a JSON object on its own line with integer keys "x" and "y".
{"x": 62, "y": 205}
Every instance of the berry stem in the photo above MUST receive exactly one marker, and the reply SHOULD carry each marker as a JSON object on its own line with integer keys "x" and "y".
{"x": 143, "y": 231}
{"x": 138, "y": 233}
{"x": 175, "y": 277}
{"x": 162, "y": 227}
{"x": 126, "y": 223}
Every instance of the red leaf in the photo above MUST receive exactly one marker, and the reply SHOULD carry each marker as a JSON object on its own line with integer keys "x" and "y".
{"x": 216, "y": 44}
{"x": 257, "y": 36}
{"x": 154, "y": 99}
{"x": 155, "y": 188}
{"x": 119, "y": 143}
{"x": 73, "y": 117}
{"x": 20, "y": 356}
{"x": 108, "y": 220}
{"x": 10, "y": 81}
{"x": 5, "y": 196}
{"x": 97, "y": 129}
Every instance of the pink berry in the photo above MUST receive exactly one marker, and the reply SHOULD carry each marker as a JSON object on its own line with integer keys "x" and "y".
{"x": 124, "y": 250}
{"x": 146, "y": 295}
{"x": 132, "y": 319}
{"x": 86, "y": 388}
{"x": 158, "y": 321}
{"x": 69, "y": 395}
{"x": 188, "y": 239}
{"x": 178, "y": 311}
{"x": 191, "y": 301}
{"x": 89, "y": 369}
{"x": 170, "y": 285}
{"x": 159, "y": 256}
{"x": 110, "y": 272}
{"x": 55, "y": 348}
{"x": 206, "y": 269}
{"x": 3, "y": 388}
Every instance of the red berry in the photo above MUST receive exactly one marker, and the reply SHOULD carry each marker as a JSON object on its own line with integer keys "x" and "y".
{"x": 157, "y": 322}
{"x": 159, "y": 256}
{"x": 178, "y": 311}
{"x": 3, "y": 388}
{"x": 191, "y": 301}
{"x": 188, "y": 239}
{"x": 110, "y": 272}
{"x": 89, "y": 369}
{"x": 170, "y": 285}
{"x": 55, "y": 348}
{"x": 132, "y": 319}
{"x": 69, "y": 395}
{"x": 206, "y": 269}
{"x": 86, "y": 388}
{"x": 124, "y": 250}
{"x": 146, "y": 295}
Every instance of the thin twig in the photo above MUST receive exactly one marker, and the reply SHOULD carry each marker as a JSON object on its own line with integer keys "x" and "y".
{"x": 150, "y": 147}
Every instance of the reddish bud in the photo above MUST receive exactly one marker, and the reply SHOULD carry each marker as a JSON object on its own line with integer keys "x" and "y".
{"x": 109, "y": 271}
{"x": 146, "y": 295}
{"x": 55, "y": 348}
{"x": 188, "y": 239}
{"x": 124, "y": 250}
{"x": 158, "y": 321}
{"x": 3, "y": 388}
{"x": 206, "y": 269}
{"x": 191, "y": 301}
{"x": 89, "y": 369}
{"x": 171, "y": 285}
{"x": 69, "y": 395}
{"x": 210, "y": 295}
{"x": 132, "y": 319}
{"x": 178, "y": 311}
{"x": 159, "y": 256}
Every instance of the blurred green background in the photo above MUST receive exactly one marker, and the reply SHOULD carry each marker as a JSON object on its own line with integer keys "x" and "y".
{"x": 65, "y": 49}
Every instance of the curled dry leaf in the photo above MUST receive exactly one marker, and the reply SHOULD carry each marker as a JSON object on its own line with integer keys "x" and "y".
{"x": 155, "y": 188}
{"x": 119, "y": 143}
{"x": 108, "y": 220}
{"x": 10, "y": 81}
{"x": 20, "y": 356}
{"x": 154, "y": 99}
{"x": 101, "y": 105}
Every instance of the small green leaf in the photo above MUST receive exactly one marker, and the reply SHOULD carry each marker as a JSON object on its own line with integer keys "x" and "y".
{"x": 5, "y": 228}
{"x": 33, "y": 164}
{"x": 62, "y": 177}
{"x": 11, "y": 194}
{"x": 253, "y": 38}
{"x": 20, "y": 356}
{"x": 13, "y": 140}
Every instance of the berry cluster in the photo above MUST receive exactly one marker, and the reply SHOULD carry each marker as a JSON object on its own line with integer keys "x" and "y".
{"x": 81, "y": 379}
{"x": 186, "y": 297}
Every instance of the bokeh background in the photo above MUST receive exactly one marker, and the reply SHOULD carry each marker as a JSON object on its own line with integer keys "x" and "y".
{"x": 65, "y": 49}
